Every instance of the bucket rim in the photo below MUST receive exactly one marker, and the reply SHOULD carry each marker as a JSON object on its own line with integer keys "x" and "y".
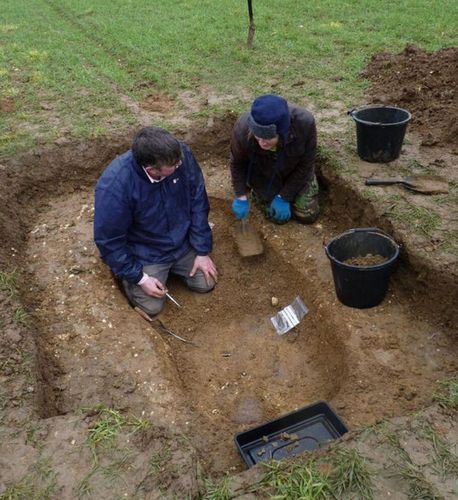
{"x": 374, "y": 267}
{"x": 365, "y": 122}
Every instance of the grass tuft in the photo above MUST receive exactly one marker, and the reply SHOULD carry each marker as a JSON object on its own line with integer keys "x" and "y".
{"x": 159, "y": 460}
{"x": 420, "y": 219}
{"x": 445, "y": 461}
{"x": 8, "y": 283}
{"x": 419, "y": 488}
{"x": 83, "y": 488}
{"x": 21, "y": 317}
{"x": 105, "y": 431}
{"x": 342, "y": 473}
{"x": 296, "y": 480}
{"x": 412, "y": 474}
{"x": 39, "y": 483}
{"x": 217, "y": 490}
{"x": 449, "y": 395}
{"x": 139, "y": 424}
{"x": 19, "y": 491}
{"x": 351, "y": 474}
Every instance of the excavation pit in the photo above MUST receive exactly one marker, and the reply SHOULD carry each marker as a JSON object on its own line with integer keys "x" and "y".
{"x": 93, "y": 348}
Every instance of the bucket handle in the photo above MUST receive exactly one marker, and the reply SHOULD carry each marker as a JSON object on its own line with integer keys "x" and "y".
{"x": 352, "y": 111}
{"x": 373, "y": 230}
{"x": 368, "y": 230}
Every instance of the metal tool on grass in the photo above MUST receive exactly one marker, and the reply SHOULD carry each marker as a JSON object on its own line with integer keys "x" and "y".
{"x": 426, "y": 184}
{"x": 247, "y": 239}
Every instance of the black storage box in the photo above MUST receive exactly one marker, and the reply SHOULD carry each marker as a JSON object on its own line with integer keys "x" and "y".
{"x": 306, "y": 429}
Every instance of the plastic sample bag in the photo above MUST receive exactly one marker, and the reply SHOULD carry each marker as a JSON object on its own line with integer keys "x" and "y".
{"x": 290, "y": 316}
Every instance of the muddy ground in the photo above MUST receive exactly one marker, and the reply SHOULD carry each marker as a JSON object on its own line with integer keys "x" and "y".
{"x": 81, "y": 345}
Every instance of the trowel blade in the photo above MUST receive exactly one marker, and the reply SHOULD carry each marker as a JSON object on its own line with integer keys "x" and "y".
{"x": 247, "y": 239}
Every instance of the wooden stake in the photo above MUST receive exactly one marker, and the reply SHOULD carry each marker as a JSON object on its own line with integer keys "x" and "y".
{"x": 251, "y": 28}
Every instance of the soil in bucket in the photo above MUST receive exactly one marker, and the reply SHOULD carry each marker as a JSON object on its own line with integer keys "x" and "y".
{"x": 365, "y": 283}
{"x": 380, "y": 132}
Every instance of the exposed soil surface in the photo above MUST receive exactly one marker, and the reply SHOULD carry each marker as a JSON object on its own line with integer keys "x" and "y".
{"x": 82, "y": 345}
{"x": 424, "y": 83}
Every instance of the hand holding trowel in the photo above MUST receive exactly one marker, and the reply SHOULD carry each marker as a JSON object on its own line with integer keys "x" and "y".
{"x": 426, "y": 184}
{"x": 247, "y": 239}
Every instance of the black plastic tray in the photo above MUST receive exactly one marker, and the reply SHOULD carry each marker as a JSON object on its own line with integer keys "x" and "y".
{"x": 306, "y": 429}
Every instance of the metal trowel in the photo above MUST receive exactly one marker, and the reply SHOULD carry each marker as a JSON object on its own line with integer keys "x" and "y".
{"x": 426, "y": 184}
{"x": 247, "y": 239}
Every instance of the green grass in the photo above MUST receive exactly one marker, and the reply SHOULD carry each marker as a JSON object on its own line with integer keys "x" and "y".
{"x": 351, "y": 474}
{"x": 20, "y": 491}
{"x": 342, "y": 473}
{"x": 109, "y": 459}
{"x": 418, "y": 219}
{"x": 115, "y": 470}
{"x": 21, "y": 317}
{"x": 83, "y": 488}
{"x": 139, "y": 424}
{"x": 448, "y": 396}
{"x": 160, "y": 459}
{"x": 38, "y": 484}
{"x": 217, "y": 490}
{"x": 445, "y": 461}
{"x": 411, "y": 473}
{"x": 8, "y": 283}
{"x": 69, "y": 65}
{"x": 299, "y": 480}
{"x": 105, "y": 431}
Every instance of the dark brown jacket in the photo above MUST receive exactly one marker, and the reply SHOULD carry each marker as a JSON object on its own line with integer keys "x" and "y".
{"x": 253, "y": 167}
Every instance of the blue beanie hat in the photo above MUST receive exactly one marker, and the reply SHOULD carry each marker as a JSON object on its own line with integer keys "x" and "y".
{"x": 269, "y": 117}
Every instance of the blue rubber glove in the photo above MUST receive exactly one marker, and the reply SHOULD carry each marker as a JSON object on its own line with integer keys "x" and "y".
{"x": 280, "y": 209}
{"x": 240, "y": 208}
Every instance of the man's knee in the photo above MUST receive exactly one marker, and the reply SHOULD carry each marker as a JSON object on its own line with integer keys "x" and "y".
{"x": 308, "y": 215}
{"x": 199, "y": 284}
{"x": 136, "y": 296}
{"x": 306, "y": 207}
{"x": 153, "y": 306}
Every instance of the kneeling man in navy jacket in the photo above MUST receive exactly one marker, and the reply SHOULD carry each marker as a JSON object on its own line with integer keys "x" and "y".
{"x": 151, "y": 219}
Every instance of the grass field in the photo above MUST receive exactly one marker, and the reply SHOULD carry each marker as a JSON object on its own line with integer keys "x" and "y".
{"x": 65, "y": 65}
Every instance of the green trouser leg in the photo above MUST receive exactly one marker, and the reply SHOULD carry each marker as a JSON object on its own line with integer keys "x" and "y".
{"x": 305, "y": 207}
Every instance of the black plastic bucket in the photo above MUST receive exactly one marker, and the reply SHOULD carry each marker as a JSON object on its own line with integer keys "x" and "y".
{"x": 380, "y": 132}
{"x": 361, "y": 286}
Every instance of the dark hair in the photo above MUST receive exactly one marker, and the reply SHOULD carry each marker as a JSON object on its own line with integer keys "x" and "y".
{"x": 156, "y": 147}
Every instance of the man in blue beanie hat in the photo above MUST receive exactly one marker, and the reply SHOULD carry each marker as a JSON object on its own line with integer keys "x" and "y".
{"x": 273, "y": 151}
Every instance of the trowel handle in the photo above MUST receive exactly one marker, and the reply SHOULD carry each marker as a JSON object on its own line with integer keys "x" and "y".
{"x": 384, "y": 182}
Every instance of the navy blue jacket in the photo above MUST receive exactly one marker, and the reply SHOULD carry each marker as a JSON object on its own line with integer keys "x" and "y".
{"x": 137, "y": 222}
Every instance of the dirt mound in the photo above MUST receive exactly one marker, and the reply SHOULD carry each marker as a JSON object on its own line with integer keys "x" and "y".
{"x": 425, "y": 84}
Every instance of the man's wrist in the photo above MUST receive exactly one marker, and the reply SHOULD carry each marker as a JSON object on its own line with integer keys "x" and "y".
{"x": 144, "y": 278}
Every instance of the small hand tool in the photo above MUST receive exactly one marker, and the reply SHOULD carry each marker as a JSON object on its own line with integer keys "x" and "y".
{"x": 172, "y": 299}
